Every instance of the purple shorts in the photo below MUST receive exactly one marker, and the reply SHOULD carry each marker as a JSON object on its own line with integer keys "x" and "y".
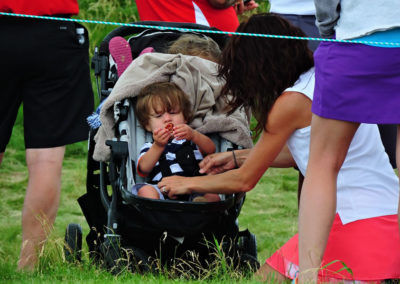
{"x": 358, "y": 83}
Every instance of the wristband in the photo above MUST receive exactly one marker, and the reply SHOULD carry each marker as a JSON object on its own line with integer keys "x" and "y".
{"x": 234, "y": 159}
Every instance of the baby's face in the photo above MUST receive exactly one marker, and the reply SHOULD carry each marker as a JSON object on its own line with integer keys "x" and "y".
{"x": 162, "y": 118}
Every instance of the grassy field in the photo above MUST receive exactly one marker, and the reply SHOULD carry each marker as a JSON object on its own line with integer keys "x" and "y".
{"x": 270, "y": 211}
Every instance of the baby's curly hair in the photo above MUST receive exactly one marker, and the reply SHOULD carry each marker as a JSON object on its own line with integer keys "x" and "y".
{"x": 257, "y": 70}
{"x": 191, "y": 44}
{"x": 164, "y": 95}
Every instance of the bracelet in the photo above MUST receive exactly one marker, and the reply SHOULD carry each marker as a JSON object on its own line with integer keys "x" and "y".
{"x": 234, "y": 159}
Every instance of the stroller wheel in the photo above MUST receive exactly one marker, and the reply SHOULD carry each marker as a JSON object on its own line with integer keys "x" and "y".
{"x": 139, "y": 261}
{"x": 73, "y": 242}
{"x": 248, "y": 251}
{"x": 118, "y": 258}
{"x": 249, "y": 263}
{"x": 248, "y": 243}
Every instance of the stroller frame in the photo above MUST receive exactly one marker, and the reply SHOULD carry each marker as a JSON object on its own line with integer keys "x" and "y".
{"x": 111, "y": 231}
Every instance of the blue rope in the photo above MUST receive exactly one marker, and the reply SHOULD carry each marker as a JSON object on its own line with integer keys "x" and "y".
{"x": 395, "y": 44}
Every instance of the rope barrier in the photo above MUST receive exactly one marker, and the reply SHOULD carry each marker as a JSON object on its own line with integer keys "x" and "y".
{"x": 393, "y": 44}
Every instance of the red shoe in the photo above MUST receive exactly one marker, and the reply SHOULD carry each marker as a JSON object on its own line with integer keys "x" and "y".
{"x": 120, "y": 51}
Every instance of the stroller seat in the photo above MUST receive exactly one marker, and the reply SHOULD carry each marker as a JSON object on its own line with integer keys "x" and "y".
{"x": 118, "y": 218}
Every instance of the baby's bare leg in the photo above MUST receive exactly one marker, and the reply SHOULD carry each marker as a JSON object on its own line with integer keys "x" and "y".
{"x": 212, "y": 197}
{"x": 147, "y": 191}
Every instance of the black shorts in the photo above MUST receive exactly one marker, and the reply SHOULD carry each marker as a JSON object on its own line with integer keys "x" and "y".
{"x": 307, "y": 24}
{"x": 45, "y": 68}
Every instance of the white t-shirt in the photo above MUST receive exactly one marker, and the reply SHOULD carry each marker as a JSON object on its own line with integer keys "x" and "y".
{"x": 367, "y": 185}
{"x": 295, "y": 7}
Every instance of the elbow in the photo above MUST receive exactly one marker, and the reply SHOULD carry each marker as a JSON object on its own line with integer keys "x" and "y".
{"x": 246, "y": 186}
{"x": 242, "y": 181}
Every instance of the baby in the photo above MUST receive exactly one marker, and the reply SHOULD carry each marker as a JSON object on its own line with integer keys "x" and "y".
{"x": 164, "y": 110}
{"x": 201, "y": 46}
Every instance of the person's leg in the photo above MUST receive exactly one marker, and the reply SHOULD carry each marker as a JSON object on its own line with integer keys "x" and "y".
{"x": 41, "y": 201}
{"x": 211, "y": 197}
{"x": 148, "y": 191}
{"x": 267, "y": 274}
{"x": 1, "y": 157}
{"x": 388, "y": 134}
{"x": 330, "y": 140}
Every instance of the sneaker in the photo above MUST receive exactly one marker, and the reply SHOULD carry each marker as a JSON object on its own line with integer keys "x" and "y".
{"x": 120, "y": 51}
{"x": 147, "y": 50}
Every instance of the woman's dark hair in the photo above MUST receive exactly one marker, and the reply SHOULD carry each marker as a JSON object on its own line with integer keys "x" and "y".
{"x": 257, "y": 69}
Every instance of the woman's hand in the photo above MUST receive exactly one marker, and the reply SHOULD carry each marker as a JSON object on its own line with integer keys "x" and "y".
{"x": 217, "y": 163}
{"x": 173, "y": 186}
{"x": 238, "y": 5}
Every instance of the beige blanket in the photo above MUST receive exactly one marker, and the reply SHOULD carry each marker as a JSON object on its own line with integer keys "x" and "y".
{"x": 196, "y": 77}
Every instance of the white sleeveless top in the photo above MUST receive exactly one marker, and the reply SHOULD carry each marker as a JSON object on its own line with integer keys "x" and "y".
{"x": 367, "y": 185}
{"x": 296, "y": 7}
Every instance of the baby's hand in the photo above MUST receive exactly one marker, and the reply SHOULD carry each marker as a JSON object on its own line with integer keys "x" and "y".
{"x": 161, "y": 136}
{"x": 183, "y": 131}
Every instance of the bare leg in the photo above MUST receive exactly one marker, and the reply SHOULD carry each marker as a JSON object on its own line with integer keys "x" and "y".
{"x": 211, "y": 197}
{"x": 41, "y": 201}
{"x": 148, "y": 191}
{"x": 330, "y": 140}
{"x": 267, "y": 274}
{"x": 1, "y": 157}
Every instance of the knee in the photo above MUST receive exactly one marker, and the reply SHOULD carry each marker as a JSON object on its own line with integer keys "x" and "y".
{"x": 326, "y": 161}
{"x": 148, "y": 191}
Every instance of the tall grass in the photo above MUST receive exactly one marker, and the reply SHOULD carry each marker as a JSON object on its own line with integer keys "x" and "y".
{"x": 269, "y": 212}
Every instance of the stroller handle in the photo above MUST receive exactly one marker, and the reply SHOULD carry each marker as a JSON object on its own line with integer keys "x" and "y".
{"x": 129, "y": 30}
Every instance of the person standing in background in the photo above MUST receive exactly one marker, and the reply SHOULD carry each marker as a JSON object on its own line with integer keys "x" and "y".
{"x": 46, "y": 68}
{"x": 221, "y": 14}
{"x": 367, "y": 185}
{"x": 354, "y": 83}
{"x": 300, "y": 13}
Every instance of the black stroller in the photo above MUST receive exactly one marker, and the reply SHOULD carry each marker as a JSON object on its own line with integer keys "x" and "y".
{"x": 164, "y": 230}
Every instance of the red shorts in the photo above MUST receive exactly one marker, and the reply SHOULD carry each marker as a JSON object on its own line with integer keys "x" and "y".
{"x": 369, "y": 247}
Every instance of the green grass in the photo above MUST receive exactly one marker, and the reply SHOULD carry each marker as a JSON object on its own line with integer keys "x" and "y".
{"x": 270, "y": 210}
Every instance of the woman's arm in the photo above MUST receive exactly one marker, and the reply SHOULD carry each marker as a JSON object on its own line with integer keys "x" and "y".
{"x": 221, "y": 162}
{"x": 327, "y": 14}
{"x": 284, "y": 159}
{"x": 285, "y": 117}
